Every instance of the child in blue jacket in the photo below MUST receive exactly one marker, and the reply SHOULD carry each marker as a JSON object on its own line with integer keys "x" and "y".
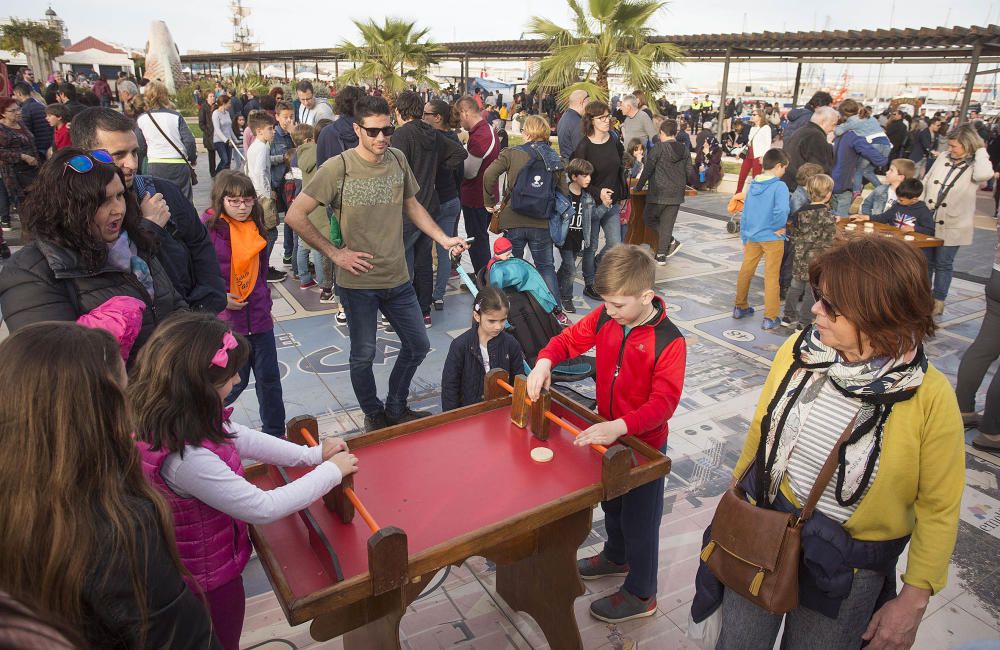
{"x": 762, "y": 230}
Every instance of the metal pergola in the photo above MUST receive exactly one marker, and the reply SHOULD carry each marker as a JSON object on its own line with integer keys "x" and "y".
{"x": 950, "y": 45}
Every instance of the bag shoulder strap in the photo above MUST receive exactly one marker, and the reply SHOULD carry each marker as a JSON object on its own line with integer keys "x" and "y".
{"x": 343, "y": 179}
{"x": 826, "y": 473}
{"x": 167, "y": 138}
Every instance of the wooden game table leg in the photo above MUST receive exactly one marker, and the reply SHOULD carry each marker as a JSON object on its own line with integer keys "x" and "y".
{"x": 545, "y": 583}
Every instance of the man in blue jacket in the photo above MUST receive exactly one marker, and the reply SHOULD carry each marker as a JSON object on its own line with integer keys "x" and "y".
{"x": 33, "y": 117}
{"x": 568, "y": 130}
{"x": 185, "y": 250}
{"x": 846, "y": 149}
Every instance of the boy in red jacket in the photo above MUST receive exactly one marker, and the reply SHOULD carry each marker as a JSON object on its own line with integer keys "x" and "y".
{"x": 640, "y": 374}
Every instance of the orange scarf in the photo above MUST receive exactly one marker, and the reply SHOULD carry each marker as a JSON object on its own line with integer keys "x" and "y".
{"x": 244, "y": 263}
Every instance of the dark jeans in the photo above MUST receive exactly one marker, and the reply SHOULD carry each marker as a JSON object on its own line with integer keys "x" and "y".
{"x": 211, "y": 160}
{"x": 787, "y": 259}
{"x": 399, "y": 305}
{"x": 477, "y": 222}
{"x": 448, "y": 220}
{"x": 799, "y": 302}
{"x": 633, "y": 525}
{"x": 744, "y": 625}
{"x": 272, "y": 236}
{"x": 267, "y": 382}
{"x": 939, "y": 263}
{"x": 977, "y": 359}
{"x": 539, "y": 242}
{"x": 661, "y": 218}
{"x": 225, "y": 156}
{"x": 420, "y": 264}
{"x": 566, "y": 273}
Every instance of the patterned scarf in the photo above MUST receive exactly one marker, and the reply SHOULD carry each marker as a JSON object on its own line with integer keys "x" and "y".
{"x": 877, "y": 384}
{"x": 123, "y": 256}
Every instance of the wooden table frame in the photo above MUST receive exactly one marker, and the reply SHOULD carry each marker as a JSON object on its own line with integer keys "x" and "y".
{"x": 919, "y": 240}
{"x": 534, "y": 552}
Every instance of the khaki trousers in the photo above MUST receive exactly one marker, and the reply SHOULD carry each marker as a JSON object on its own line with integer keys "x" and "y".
{"x": 752, "y": 252}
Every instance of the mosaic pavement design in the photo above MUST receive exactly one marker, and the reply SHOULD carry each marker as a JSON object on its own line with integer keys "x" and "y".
{"x": 728, "y": 361}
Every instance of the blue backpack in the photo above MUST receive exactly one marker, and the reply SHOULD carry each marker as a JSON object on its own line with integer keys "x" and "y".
{"x": 534, "y": 191}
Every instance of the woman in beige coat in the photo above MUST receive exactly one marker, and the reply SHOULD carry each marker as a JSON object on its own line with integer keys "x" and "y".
{"x": 950, "y": 192}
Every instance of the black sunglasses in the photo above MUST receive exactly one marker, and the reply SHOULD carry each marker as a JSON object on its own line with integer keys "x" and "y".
{"x": 828, "y": 307}
{"x": 373, "y": 131}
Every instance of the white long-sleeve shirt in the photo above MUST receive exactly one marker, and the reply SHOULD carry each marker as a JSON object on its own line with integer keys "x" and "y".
{"x": 760, "y": 138}
{"x": 259, "y": 168}
{"x": 204, "y": 476}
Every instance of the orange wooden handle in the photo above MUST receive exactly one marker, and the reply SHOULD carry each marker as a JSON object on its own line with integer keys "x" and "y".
{"x": 552, "y": 417}
{"x": 351, "y": 496}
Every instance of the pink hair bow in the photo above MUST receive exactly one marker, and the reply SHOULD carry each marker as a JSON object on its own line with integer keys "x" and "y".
{"x": 221, "y": 356}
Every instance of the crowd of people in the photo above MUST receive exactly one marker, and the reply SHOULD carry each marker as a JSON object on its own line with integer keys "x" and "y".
{"x": 122, "y": 291}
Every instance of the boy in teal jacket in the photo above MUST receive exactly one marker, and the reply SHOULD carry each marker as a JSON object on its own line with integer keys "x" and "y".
{"x": 762, "y": 231}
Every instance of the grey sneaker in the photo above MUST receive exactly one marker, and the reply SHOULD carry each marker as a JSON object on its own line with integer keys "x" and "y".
{"x": 622, "y": 606}
{"x": 675, "y": 246}
{"x": 598, "y": 566}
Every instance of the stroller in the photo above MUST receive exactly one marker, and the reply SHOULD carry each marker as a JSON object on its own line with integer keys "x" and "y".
{"x": 735, "y": 210}
{"x": 533, "y": 327}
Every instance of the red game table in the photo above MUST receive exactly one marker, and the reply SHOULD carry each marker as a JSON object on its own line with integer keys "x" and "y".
{"x": 437, "y": 491}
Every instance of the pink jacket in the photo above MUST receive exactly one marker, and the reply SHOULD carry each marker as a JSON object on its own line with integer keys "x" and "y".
{"x": 121, "y": 315}
{"x": 212, "y": 545}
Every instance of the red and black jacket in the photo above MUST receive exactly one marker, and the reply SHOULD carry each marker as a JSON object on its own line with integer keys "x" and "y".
{"x": 640, "y": 375}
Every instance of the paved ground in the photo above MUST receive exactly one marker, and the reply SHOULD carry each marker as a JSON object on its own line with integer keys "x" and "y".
{"x": 728, "y": 361}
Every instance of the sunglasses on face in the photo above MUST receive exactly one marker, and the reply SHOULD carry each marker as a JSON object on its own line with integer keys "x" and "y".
{"x": 828, "y": 307}
{"x": 241, "y": 201}
{"x": 83, "y": 163}
{"x": 373, "y": 131}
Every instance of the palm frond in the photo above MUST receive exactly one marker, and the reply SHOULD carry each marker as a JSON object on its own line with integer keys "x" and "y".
{"x": 580, "y": 18}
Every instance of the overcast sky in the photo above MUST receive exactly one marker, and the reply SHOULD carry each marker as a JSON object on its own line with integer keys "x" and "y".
{"x": 203, "y": 24}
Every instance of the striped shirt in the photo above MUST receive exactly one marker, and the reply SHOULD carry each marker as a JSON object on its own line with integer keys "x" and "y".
{"x": 825, "y": 422}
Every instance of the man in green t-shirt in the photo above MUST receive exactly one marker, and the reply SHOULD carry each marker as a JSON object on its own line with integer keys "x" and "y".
{"x": 370, "y": 188}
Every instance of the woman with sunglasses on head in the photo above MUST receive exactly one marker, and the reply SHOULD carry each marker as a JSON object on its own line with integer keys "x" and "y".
{"x": 86, "y": 253}
{"x": 603, "y": 149}
{"x": 85, "y": 540}
{"x": 859, "y": 375}
{"x": 18, "y": 162}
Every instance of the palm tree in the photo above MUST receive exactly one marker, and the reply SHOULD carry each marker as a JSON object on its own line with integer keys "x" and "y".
{"x": 390, "y": 57}
{"x": 613, "y": 37}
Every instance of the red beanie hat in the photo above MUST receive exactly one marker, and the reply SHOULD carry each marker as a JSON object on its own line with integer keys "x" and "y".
{"x": 502, "y": 245}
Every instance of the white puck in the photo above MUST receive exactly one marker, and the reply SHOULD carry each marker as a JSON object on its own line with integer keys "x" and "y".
{"x": 541, "y": 454}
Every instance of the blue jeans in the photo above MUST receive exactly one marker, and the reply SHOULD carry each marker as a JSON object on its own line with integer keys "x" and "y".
{"x": 939, "y": 264}
{"x": 477, "y": 221}
{"x": 302, "y": 258}
{"x": 222, "y": 149}
{"x": 267, "y": 379}
{"x": 840, "y": 203}
{"x": 539, "y": 242}
{"x": 865, "y": 170}
{"x": 399, "y": 305}
{"x": 447, "y": 218}
{"x": 605, "y": 219}
{"x": 566, "y": 273}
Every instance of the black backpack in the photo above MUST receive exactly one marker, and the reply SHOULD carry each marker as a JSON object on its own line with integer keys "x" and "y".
{"x": 532, "y": 326}
{"x": 534, "y": 190}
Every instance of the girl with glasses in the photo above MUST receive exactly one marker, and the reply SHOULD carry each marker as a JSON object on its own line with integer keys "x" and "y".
{"x": 235, "y": 224}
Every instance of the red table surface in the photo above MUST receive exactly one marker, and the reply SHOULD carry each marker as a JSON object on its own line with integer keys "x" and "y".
{"x": 435, "y": 484}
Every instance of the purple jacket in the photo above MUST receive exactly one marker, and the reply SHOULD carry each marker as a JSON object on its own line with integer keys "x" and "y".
{"x": 213, "y": 546}
{"x": 256, "y": 316}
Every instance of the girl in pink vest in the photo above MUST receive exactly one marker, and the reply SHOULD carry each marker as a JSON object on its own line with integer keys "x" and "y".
{"x": 194, "y": 454}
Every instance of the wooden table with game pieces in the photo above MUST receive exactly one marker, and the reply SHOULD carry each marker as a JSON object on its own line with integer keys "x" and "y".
{"x": 434, "y": 492}
{"x": 861, "y": 229}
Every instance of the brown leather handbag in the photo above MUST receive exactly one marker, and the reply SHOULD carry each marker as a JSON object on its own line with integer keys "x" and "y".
{"x": 755, "y": 551}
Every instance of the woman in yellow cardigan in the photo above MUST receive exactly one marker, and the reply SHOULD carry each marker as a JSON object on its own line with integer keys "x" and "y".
{"x": 900, "y": 474}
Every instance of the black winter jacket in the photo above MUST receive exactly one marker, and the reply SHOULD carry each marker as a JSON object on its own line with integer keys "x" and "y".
{"x": 463, "y": 376}
{"x": 43, "y": 281}
{"x": 335, "y": 139}
{"x": 425, "y": 149}
{"x": 666, "y": 170}
{"x": 177, "y": 619}
{"x": 186, "y": 252}
{"x": 807, "y": 145}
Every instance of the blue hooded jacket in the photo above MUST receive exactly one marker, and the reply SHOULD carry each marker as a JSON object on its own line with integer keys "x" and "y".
{"x": 847, "y": 148}
{"x": 765, "y": 210}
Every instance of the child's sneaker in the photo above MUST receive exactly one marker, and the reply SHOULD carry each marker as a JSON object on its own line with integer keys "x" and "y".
{"x": 562, "y": 318}
{"x": 598, "y": 566}
{"x": 770, "y": 323}
{"x": 341, "y": 317}
{"x": 568, "y": 306}
{"x": 622, "y": 606}
{"x": 307, "y": 285}
{"x": 427, "y": 321}
{"x": 675, "y": 246}
{"x": 326, "y": 297}
{"x": 739, "y": 313}
{"x": 591, "y": 292}
{"x": 661, "y": 259}
{"x": 788, "y": 322}
{"x": 439, "y": 304}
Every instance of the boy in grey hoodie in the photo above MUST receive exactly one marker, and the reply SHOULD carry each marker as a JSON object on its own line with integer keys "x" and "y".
{"x": 666, "y": 170}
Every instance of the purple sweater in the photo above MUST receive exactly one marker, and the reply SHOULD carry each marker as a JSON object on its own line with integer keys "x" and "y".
{"x": 256, "y": 316}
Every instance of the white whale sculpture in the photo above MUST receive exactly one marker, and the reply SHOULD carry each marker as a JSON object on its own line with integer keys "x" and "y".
{"x": 163, "y": 59}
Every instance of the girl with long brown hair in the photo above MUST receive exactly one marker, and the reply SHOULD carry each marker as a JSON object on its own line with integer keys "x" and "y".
{"x": 85, "y": 541}
{"x": 193, "y": 454}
